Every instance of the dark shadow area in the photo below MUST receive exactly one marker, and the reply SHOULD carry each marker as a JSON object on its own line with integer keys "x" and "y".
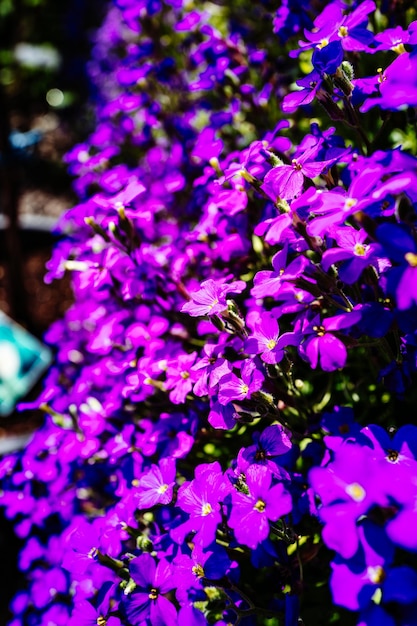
{"x": 44, "y": 46}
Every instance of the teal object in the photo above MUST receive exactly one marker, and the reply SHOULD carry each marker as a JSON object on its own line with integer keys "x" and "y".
{"x": 23, "y": 359}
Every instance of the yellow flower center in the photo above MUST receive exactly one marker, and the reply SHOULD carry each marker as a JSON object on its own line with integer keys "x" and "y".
{"x": 101, "y": 621}
{"x": 359, "y": 249}
{"x": 162, "y": 488}
{"x": 215, "y": 301}
{"x": 399, "y": 49}
{"x": 206, "y": 509}
{"x": 271, "y": 344}
{"x": 153, "y": 594}
{"x": 198, "y": 571}
{"x": 260, "y": 506}
{"x": 356, "y": 492}
{"x": 376, "y": 574}
{"x": 411, "y": 259}
{"x": 323, "y": 43}
{"x": 350, "y": 202}
{"x": 343, "y": 31}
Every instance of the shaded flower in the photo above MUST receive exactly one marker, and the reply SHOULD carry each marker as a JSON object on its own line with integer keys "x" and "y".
{"x": 148, "y": 600}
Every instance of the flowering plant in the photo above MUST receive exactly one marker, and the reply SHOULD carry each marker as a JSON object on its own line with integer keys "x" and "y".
{"x": 229, "y": 435}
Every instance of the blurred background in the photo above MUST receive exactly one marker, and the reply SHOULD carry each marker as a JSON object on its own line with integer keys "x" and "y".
{"x": 44, "y": 96}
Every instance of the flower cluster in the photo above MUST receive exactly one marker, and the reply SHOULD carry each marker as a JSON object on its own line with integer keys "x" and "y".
{"x": 245, "y": 311}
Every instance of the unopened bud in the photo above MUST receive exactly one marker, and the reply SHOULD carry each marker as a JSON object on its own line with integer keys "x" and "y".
{"x": 144, "y": 543}
{"x": 342, "y": 81}
{"x": 348, "y": 70}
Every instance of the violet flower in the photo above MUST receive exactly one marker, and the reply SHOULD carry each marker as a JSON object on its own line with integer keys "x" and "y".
{"x": 272, "y": 442}
{"x": 156, "y": 485}
{"x": 211, "y": 367}
{"x": 269, "y": 283}
{"x": 252, "y": 512}
{"x": 401, "y": 247}
{"x": 354, "y": 252}
{"x": 397, "y": 85}
{"x": 86, "y": 613}
{"x": 286, "y": 181}
{"x": 211, "y": 298}
{"x": 180, "y": 377}
{"x": 231, "y": 387}
{"x": 147, "y": 601}
{"x": 266, "y": 341}
{"x": 354, "y": 581}
{"x": 322, "y": 347}
{"x": 201, "y": 499}
{"x": 347, "y": 488}
{"x": 310, "y": 84}
{"x": 333, "y": 24}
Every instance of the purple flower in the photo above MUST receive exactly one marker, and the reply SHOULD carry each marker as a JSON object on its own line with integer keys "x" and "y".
{"x": 334, "y": 24}
{"x": 326, "y": 59}
{"x": 397, "y": 85}
{"x": 222, "y": 416}
{"x": 310, "y": 86}
{"x": 392, "y": 39}
{"x": 340, "y": 425}
{"x": 180, "y": 377}
{"x": 201, "y": 499}
{"x": 191, "y": 616}
{"x": 366, "y": 189}
{"x": 348, "y": 487}
{"x": 286, "y": 181}
{"x": 210, "y": 368}
{"x": 354, "y": 581}
{"x": 46, "y": 585}
{"x": 370, "y": 574}
{"x": 353, "y": 251}
{"x": 156, "y": 485}
{"x": 231, "y": 387}
{"x": 252, "y": 512}
{"x": 86, "y": 613}
{"x": 211, "y": 298}
{"x": 83, "y": 547}
{"x": 266, "y": 342}
{"x": 269, "y": 283}
{"x": 272, "y": 442}
{"x": 207, "y": 146}
{"x": 147, "y": 600}
{"x": 401, "y": 486}
{"x": 322, "y": 347}
{"x": 401, "y": 248}
{"x": 193, "y": 571}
